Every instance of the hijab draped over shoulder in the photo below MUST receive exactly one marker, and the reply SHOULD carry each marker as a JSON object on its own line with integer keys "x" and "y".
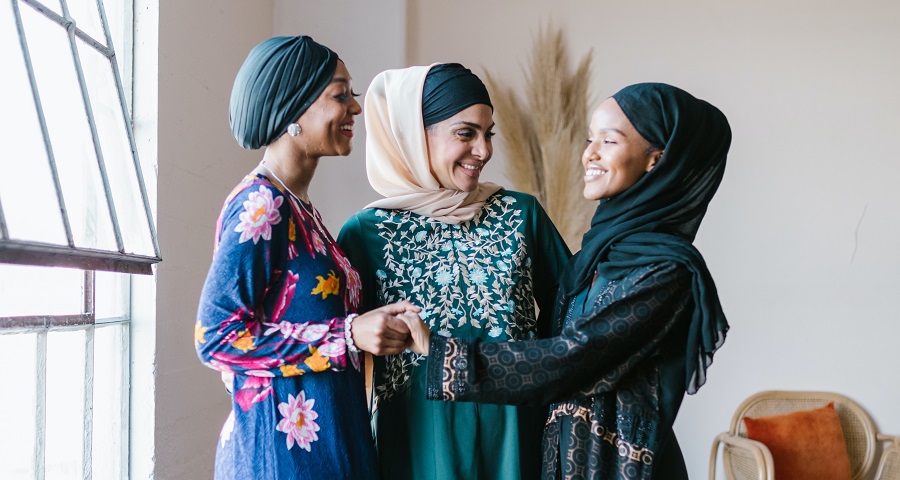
{"x": 279, "y": 80}
{"x": 399, "y": 105}
{"x": 657, "y": 218}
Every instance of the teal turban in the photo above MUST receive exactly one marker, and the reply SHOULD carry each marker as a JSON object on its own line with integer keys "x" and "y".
{"x": 279, "y": 80}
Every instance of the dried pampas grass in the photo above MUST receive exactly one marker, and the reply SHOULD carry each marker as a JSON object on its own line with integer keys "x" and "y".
{"x": 544, "y": 138}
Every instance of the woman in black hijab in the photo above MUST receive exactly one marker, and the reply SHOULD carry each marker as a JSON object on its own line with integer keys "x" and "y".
{"x": 276, "y": 315}
{"x": 638, "y": 317}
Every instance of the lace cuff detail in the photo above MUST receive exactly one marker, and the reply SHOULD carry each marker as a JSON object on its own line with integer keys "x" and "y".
{"x": 448, "y": 369}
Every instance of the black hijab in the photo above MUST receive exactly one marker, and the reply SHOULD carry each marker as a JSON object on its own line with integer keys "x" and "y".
{"x": 657, "y": 218}
{"x": 279, "y": 80}
{"x": 449, "y": 89}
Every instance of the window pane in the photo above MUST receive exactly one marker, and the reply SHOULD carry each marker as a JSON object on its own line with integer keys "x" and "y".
{"x": 111, "y": 295}
{"x": 53, "y": 5}
{"x": 65, "y": 405}
{"x": 110, "y": 405}
{"x": 17, "y": 405}
{"x": 70, "y": 134}
{"x": 87, "y": 18}
{"x": 119, "y": 30}
{"x": 30, "y": 207}
{"x": 110, "y": 121}
{"x": 40, "y": 291}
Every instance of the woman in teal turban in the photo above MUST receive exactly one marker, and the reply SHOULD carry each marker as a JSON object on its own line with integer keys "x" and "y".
{"x": 638, "y": 318}
{"x": 276, "y": 315}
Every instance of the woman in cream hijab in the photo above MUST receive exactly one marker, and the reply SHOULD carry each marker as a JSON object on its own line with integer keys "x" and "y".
{"x": 476, "y": 257}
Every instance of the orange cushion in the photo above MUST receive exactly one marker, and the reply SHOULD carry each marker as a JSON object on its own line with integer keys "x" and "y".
{"x": 806, "y": 445}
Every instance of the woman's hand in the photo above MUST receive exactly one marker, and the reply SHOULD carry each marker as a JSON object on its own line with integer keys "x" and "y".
{"x": 381, "y": 331}
{"x": 420, "y": 334}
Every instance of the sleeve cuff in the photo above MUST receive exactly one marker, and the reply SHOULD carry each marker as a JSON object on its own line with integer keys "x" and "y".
{"x": 448, "y": 371}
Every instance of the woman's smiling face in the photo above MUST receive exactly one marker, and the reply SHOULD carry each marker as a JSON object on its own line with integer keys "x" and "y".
{"x": 327, "y": 125}
{"x": 460, "y": 146}
{"x": 617, "y": 156}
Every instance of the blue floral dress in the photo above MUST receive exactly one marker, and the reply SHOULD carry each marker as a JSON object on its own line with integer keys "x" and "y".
{"x": 272, "y": 313}
{"x": 479, "y": 279}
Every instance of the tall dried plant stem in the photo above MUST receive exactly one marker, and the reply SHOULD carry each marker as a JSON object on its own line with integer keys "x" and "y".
{"x": 544, "y": 138}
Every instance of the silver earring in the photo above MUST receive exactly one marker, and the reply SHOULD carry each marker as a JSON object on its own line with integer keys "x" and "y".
{"x": 293, "y": 129}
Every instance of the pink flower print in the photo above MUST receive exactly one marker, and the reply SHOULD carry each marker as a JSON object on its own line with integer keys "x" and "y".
{"x": 287, "y": 294}
{"x": 298, "y": 421}
{"x": 307, "y": 333}
{"x": 257, "y": 382}
{"x": 334, "y": 347}
{"x": 219, "y": 366}
{"x": 304, "y": 332}
{"x": 237, "y": 316}
{"x": 246, "y": 397}
{"x": 284, "y": 327}
{"x": 354, "y": 285}
{"x": 317, "y": 242}
{"x": 260, "y": 213}
{"x": 240, "y": 362}
{"x": 254, "y": 390}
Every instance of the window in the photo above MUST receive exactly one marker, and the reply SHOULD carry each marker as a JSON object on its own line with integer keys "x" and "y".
{"x": 71, "y": 186}
{"x": 75, "y": 224}
{"x": 64, "y": 338}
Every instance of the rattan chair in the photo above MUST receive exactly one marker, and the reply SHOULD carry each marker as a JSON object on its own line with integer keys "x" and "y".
{"x": 889, "y": 466}
{"x": 745, "y": 459}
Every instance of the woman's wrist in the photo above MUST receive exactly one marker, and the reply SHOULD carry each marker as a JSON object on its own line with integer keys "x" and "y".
{"x": 348, "y": 333}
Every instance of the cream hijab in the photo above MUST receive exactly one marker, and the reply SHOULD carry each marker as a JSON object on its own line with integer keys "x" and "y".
{"x": 397, "y": 156}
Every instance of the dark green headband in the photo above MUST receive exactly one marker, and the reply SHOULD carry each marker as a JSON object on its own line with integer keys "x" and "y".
{"x": 449, "y": 89}
{"x": 279, "y": 80}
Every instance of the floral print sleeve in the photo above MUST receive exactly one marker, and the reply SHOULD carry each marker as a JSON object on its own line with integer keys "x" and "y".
{"x": 276, "y": 296}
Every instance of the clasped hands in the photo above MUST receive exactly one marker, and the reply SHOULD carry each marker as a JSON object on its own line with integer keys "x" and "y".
{"x": 386, "y": 330}
{"x": 391, "y": 329}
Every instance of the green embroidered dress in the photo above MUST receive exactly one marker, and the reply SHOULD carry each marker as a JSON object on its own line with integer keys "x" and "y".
{"x": 479, "y": 279}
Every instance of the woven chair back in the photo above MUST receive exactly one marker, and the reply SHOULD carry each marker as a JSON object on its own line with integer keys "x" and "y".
{"x": 858, "y": 427}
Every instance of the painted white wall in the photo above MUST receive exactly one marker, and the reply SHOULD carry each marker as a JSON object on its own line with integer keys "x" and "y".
{"x": 369, "y": 37}
{"x": 202, "y": 44}
{"x": 802, "y": 237}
